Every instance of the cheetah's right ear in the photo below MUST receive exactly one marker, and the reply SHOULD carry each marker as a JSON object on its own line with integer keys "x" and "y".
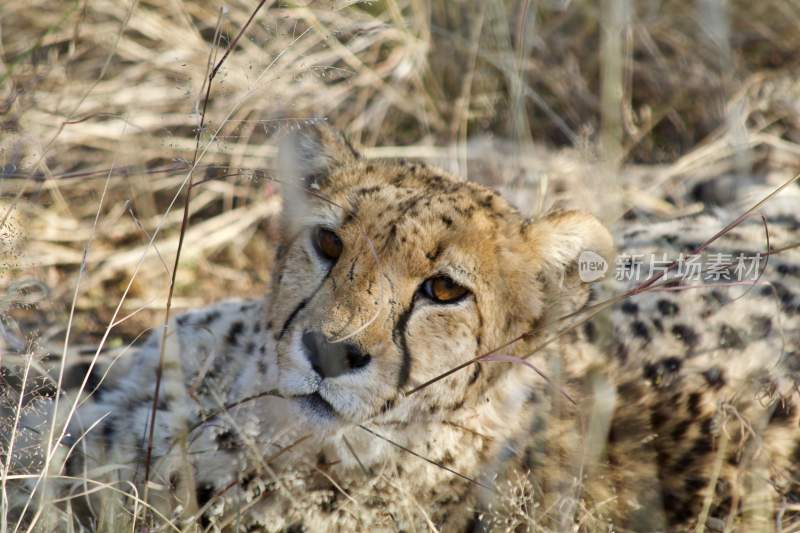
{"x": 308, "y": 155}
{"x": 559, "y": 238}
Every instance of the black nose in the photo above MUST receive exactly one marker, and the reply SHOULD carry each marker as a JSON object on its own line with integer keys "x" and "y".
{"x": 331, "y": 359}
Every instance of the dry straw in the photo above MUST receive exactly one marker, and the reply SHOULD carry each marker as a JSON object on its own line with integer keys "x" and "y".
{"x": 110, "y": 117}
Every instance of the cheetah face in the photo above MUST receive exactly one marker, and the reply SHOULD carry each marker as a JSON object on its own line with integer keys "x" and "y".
{"x": 390, "y": 274}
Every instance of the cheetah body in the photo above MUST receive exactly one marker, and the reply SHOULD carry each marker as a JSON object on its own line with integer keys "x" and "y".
{"x": 674, "y": 405}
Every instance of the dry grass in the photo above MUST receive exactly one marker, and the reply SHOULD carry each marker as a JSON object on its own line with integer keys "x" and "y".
{"x": 101, "y": 103}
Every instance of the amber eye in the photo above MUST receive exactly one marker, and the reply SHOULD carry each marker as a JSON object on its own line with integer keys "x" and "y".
{"x": 443, "y": 290}
{"x": 327, "y": 244}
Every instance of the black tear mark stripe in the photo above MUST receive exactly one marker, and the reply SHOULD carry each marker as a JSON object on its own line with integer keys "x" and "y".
{"x": 301, "y": 305}
{"x": 399, "y": 338}
{"x": 292, "y": 316}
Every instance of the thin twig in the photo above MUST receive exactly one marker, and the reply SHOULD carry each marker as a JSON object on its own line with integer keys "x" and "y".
{"x": 431, "y": 461}
{"x": 355, "y": 456}
{"x": 181, "y": 235}
{"x": 184, "y": 226}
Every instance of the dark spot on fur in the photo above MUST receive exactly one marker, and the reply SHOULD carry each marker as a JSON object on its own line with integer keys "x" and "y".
{"x": 667, "y": 308}
{"x": 717, "y": 298}
{"x": 762, "y": 326}
{"x": 212, "y": 316}
{"x": 656, "y": 372}
{"x": 228, "y": 440}
{"x": 680, "y": 430}
{"x": 685, "y": 334}
{"x": 672, "y": 504}
{"x": 434, "y": 254}
{"x": 234, "y": 332}
{"x": 629, "y": 308}
{"x": 693, "y": 404}
{"x": 621, "y": 353}
{"x": 590, "y": 330}
{"x": 321, "y": 459}
{"x": 695, "y": 484}
{"x": 388, "y": 404}
{"x": 629, "y": 390}
{"x": 702, "y": 446}
{"x": 658, "y": 418}
{"x": 363, "y": 191}
{"x": 671, "y": 364}
{"x": 715, "y": 377}
{"x": 730, "y": 338}
{"x": 204, "y": 492}
{"x": 76, "y": 374}
{"x": 784, "y": 295}
{"x": 783, "y": 412}
{"x": 684, "y": 462}
{"x": 639, "y": 329}
{"x": 108, "y": 431}
{"x": 459, "y": 404}
{"x": 788, "y": 270}
{"x": 532, "y": 397}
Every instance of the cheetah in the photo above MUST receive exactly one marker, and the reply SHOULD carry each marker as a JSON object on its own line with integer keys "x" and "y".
{"x": 428, "y": 358}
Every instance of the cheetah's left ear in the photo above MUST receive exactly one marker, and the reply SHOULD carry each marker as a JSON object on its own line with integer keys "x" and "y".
{"x": 560, "y": 240}
{"x": 312, "y": 153}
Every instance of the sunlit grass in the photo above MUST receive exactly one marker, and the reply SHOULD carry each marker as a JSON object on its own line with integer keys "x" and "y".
{"x": 101, "y": 106}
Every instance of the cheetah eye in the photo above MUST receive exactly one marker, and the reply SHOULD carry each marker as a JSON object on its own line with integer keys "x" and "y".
{"x": 443, "y": 290}
{"x": 327, "y": 244}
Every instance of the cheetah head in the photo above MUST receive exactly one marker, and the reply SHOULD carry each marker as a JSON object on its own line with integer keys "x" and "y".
{"x": 391, "y": 273}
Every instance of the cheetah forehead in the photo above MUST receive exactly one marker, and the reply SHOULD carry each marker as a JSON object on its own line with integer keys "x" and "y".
{"x": 406, "y": 204}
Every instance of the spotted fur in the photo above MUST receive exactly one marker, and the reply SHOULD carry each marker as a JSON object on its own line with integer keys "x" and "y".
{"x": 672, "y": 406}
